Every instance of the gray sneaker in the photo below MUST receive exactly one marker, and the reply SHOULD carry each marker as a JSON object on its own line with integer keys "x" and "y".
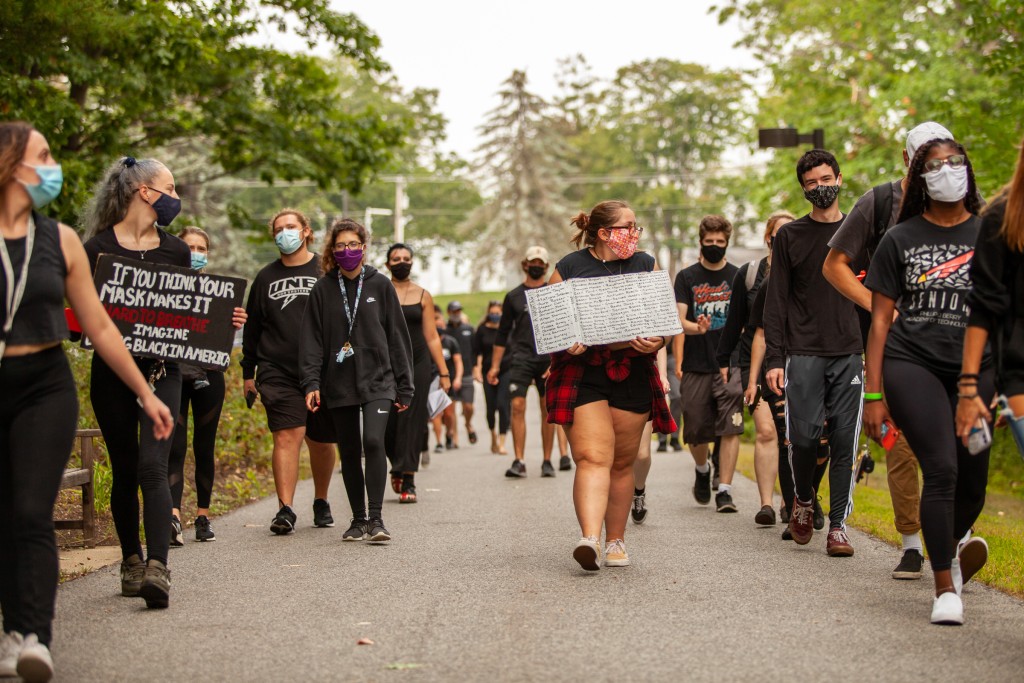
{"x": 156, "y": 585}
{"x": 132, "y": 571}
{"x": 10, "y": 647}
{"x": 34, "y": 661}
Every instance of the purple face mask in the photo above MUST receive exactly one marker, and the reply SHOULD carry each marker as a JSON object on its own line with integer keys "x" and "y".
{"x": 348, "y": 259}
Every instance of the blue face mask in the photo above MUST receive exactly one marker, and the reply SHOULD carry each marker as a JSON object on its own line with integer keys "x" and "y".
{"x": 288, "y": 241}
{"x": 198, "y": 260}
{"x": 51, "y": 179}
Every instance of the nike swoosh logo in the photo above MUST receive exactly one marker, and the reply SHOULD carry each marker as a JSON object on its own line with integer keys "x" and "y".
{"x": 381, "y": 412}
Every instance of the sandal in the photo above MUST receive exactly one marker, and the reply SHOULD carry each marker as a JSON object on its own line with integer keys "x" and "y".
{"x": 472, "y": 437}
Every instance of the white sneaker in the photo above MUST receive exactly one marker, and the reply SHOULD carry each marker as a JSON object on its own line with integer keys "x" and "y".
{"x": 954, "y": 573}
{"x": 972, "y": 556}
{"x": 588, "y": 553}
{"x": 10, "y": 646}
{"x": 615, "y": 554}
{"x": 35, "y": 664}
{"x": 948, "y": 609}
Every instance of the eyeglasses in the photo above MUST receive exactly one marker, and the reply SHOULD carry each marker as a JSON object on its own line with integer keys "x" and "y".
{"x": 954, "y": 161}
{"x": 632, "y": 228}
{"x": 347, "y": 245}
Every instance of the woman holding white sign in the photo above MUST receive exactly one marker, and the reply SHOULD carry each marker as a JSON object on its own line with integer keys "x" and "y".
{"x": 355, "y": 356}
{"x": 604, "y": 395}
{"x": 38, "y": 401}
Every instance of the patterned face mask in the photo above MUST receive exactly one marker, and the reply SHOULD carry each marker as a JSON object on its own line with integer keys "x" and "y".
{"x": 822, "y": 196}
{"x": 623, "y": 242}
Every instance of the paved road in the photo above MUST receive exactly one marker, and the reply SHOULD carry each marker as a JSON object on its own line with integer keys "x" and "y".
{"x": 479, "y": 584}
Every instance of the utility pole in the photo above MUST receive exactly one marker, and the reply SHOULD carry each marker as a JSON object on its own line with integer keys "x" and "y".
{"x": 401, "y": 202}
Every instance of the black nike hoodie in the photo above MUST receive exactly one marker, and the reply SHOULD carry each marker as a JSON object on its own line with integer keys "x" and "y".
{"x": 381, "y": 364}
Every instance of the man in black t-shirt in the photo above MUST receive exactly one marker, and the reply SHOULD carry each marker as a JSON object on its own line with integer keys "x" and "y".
{"x": 462, "y": 332}
{"x": 515, "y": 333}
{"x": 712, "y": 400}
{"x": 813, "y": 351}
{"x": 851, "y": 250}
{"x": 454, "y": 360}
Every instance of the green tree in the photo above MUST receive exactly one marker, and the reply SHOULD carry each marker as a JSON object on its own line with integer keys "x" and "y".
{"x": 107, "y": 77}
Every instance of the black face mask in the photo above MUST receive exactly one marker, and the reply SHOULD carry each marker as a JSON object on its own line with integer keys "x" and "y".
{"x": 536, "y": 272}
{"x": 401, "y": 271}
{"x": 712, "y": 253}
{"x": 822, "y": 196}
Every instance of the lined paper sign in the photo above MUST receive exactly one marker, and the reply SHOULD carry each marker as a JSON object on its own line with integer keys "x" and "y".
{"x": 603, "y": 310}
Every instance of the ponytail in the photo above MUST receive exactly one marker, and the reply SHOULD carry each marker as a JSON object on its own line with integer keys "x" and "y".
{"x": 113, "y": 194}
{"x": 601, "y": 216}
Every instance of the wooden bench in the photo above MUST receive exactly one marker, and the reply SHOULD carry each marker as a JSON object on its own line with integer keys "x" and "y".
{"x": 81, "y": 477}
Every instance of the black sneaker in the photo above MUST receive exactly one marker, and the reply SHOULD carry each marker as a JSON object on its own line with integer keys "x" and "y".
{"x": 377, "y": 533}
{"x": 723, "y": 502}
{"x": 702, "y": 487}
{"x": 322, "y": 514}
{"x": 284, "y": 521}
{"x": 715, "y": 480}
{"x": 547, "y": 469}
{"x": 784, "y": 514}
{"x": 676, "y": 446}
{"x": 565, "y": 463}
{"x": 786, "y": 535}
{"x": 910, "y": 565}
{"x": 439, "y": 448}
{"x": 639, "y": 510}
{"x": 356, "y": 532}
{"x": 662, "y": 447}
{"x": 204, "y": 531}
{"x": 819, "y": 514}
{"x": 518, "y": 469}
{"x": 177, "y": 539}
{"x": 448, "y": 443}
{"x": 765, "y": 516}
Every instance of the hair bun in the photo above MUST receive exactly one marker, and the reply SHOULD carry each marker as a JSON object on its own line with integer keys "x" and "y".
{"x": 581, "y": 221}
{"x": 129, "y": 162}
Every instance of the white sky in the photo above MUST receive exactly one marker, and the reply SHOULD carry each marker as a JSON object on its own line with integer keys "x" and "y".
{"x": 466, "y": 48}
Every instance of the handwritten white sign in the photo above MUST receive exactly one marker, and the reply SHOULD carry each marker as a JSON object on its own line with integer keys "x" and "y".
{"x": 603, "y": 310}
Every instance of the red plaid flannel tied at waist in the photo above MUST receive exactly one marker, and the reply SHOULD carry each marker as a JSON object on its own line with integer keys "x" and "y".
{"x": 567, "y": 373}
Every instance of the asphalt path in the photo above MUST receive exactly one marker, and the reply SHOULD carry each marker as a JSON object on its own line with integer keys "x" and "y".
{"x": 479, "y": 584}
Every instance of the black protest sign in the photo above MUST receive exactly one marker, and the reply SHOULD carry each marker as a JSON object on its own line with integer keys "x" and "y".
{"x": 169, "y": 312}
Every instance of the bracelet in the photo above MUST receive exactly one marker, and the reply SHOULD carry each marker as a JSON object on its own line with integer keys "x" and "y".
{"x": 967, "y": 396}
{"x": 967, "y": 375}
{"x": 877, "y": 396}
{"x": 445, "y": 375}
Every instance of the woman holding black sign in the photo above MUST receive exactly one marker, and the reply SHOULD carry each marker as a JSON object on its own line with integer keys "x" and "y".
{"x": 604, "y": 395}
{"x": 131, "y": 206}
{"x": 356, "y": 356}
{"x": 37, "y": 391}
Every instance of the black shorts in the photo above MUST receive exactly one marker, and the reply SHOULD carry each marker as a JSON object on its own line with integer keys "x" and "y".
{"x": 286, "y": 409}
{"x": 711, "y": 407}
{"x": 632, "y": 394}
{"x": 466, "y": 393}
{"x": 524, "y": 372}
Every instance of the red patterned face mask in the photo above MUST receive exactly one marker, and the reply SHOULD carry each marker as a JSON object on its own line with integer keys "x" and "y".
{"x": 623, "y": 242}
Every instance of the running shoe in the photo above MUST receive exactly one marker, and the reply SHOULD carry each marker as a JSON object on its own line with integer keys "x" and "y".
{"x": 377, "y": 533}
{"x": 972, "y": 556}
{"x": 819, "y": 514}
{"x": 910, "y": 565}
{"x": 547, "y": 469}
{"x": 322, "y": 514}
{"x": 425, "y": 458}
{"x": 472, "y": 437}
{"x": 639, "y": 510}
{"x": 715, "y": 479}
{"x": 676, "y": 446}
{"x": 283, "y": 522}
{"x": 396, "y": 482}
{"x": 702, "y": 487}
{"x": 439, "y": 448}
{"x": 615, "y": 554}
{"x": 177, "y": 538}
{"x": 948, "y": 610}
{"x": 518, "y": 470}
{"x": 765, "y": 516}
{"x": 132, "y": 571}
{"x": 408, "y": 495}
{"x": 565, "y": 463}
{"x": 662, "y": 447}
{"x": 838, "y": 543}
{"x": 10, "y": 647}
{"x": 156, "y": 585}
{"x": 723, "y": 502}
{"x": 204, "y": 530}
{"x": 784, "y": 514}
{"x": 35, "y": 665}
{"x": 356, "y": 532}
{"x": 801, "y": 522}
{"x": 588, "y": 553}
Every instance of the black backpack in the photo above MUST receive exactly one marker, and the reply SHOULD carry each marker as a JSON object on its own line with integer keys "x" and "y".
{"x": 882, "y": 194}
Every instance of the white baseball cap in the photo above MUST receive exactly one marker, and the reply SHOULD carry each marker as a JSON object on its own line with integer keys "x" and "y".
{"x": 537, "y": 252}
{"x": 926, "y": 132}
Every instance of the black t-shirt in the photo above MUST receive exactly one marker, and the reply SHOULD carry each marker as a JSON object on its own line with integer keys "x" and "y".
{"x": 804, "y": 314}
{"x": 738, "y": 335}
{"x": 515, "y": 331}
{"x": 450, "y": 349}
{"x": 172, "y": 251}
{"x": 583, "y": 263}
{"x": 704, "y": 292}
{"x": 483, "y": 342}
{"x": 463, "y": 333}
{"x": 926, "y": 269}
{"x": 757, "y": 308}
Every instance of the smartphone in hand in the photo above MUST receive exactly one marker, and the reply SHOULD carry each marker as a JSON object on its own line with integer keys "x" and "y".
{"x": 979, "y": 438}
{"x": 250, "y": 399}
{"x": 889, "y": 435}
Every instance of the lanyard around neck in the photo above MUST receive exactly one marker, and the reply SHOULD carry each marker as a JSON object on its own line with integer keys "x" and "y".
{"x": 15, "y": 287}
{"x": 350, "y": 313}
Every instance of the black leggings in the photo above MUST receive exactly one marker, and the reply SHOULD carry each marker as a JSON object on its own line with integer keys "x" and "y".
{"x": 953, "y": 494}
{"x": 498, "y": 401}
{"x": 371, "y": 445}
{"x": 206, "y": 406}
{"x": 137, "y": 459}
{"x": 38, "y": 416}
{"x": 777, "y": 403}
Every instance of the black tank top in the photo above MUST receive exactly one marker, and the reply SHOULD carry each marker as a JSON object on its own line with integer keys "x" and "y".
{"x": 40, "y": 318}
{"x": 414, "y": 321}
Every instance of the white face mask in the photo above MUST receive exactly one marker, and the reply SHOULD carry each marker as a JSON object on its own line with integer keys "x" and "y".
{"x": 947, "y": 184}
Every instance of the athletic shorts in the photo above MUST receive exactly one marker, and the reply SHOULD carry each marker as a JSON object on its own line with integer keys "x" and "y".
{"x": 526, "y": 371}
{"x": 286, "y": 409}
{"x": 465, "y": 394}
{"x": 711, "y": 407}
{"x": 632, "y": 394}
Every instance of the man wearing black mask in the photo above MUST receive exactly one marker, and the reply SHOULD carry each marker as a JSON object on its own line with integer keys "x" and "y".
{"x": 712, "y": 399}
{"x": 515, "y": 333}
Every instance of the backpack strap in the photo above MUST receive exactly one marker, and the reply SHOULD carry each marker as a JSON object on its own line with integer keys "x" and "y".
{"x": 751, "y": 274}
{"x": 882, "y": 195}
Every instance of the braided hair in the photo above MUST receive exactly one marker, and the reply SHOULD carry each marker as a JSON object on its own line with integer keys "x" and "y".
{"x": 915, "y": 198}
